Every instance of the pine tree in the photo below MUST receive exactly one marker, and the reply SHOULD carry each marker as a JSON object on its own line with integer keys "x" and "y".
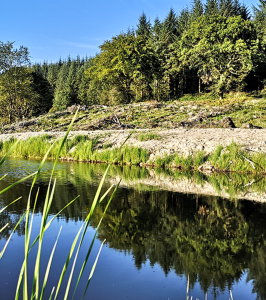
{"x": 52, "y": 75}
{"x": 156, "y": 29}
{"x": 62, "y": 97}
{"x": 71, "y": 83}
{"x": 184, "y": 19}
{"x": 83, "y": 98}
{"x": 260, "y": 14}
{"x": 144, "y": 27}
{"x": 197, "y": 9}
{"x": 211, "y": 8}
{"x": 42, "y": 90}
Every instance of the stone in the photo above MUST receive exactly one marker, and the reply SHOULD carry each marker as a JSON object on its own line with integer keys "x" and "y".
{"x": 249, "y": 126}
{"x": 227, "y": 122}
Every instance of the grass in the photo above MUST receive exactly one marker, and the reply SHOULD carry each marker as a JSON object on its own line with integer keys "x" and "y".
{"x": 149, "y": 136}
{"x": 241, "y": 107}
{"x": 80, "y": 148}
{"x": 38, "y": 288}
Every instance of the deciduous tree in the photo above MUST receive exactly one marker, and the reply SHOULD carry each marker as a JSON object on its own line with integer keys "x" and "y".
{"x": 222, "y": 49}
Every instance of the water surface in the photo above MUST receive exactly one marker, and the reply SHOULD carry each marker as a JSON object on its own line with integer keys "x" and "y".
{"x": 156, "y": 238}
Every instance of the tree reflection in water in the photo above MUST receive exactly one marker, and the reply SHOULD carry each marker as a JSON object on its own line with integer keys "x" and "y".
{"x": 214, "y": 240}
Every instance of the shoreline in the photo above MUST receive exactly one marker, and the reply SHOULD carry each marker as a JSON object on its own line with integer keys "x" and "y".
{"x": 172, "y": 148}
{"x": 181, "y": 141}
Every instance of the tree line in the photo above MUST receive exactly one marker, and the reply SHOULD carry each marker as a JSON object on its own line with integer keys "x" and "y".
{"x": 216, "y": 46}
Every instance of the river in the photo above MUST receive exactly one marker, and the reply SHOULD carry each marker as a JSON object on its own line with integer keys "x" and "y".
{"x": 156, "y": 239}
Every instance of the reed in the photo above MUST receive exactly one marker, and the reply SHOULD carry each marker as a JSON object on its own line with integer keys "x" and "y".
{"x": 232, "y": 158}
{"x": 38, "y": 287}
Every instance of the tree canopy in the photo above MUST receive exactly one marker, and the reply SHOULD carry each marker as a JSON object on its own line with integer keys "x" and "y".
{"x": 212, "y": 45}
{"x": 221, "y": 49}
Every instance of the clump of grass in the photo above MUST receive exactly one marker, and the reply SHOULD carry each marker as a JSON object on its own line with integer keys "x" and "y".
{"x": 134, "y": 155}
{"x": 149, "y": 136}
{"x": 214, "y": 157}
{"x": 182, "y": 162}
{"x": 106, "y": 146}
{"x": 185, "y": 163}
{"x": 199, "y": 158}
{"x": 164, "y": 161}
{"x": 84, "y": 150}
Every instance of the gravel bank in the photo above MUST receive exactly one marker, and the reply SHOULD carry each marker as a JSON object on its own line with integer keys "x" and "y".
{"x": 183, "y": 141}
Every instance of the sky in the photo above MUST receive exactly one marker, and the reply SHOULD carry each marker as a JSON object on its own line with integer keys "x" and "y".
{"x": 53, "y": 29}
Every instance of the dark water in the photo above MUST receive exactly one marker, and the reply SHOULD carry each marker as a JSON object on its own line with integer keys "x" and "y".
{"x": 155, "y": 239}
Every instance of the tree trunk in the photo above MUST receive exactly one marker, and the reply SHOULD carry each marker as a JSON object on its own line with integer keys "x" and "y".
{"x": 199, "y": 86}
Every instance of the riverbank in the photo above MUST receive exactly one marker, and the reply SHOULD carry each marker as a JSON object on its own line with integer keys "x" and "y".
{"x": 212, "y": 149}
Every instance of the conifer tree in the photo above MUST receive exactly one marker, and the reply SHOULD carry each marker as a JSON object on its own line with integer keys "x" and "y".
{"x": 184, "y": 19}
{"x": 52, "y": 75}
{"x": 211, "y": 8}
{"x": 156, "y": 30}
{"x": 144, "y": 27}
{"x": 197, "y": 9}
{"x": 43, "y": 92}
{"x": 62, "y": 97}
{"x": 71, "y": 83}
{"x": 260, "y": 14}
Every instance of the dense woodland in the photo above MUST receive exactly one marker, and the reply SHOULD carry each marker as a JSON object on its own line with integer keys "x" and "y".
{"x": 217, "y": 46}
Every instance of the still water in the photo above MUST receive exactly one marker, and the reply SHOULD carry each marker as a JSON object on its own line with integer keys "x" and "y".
{"x": 156, "y": 238}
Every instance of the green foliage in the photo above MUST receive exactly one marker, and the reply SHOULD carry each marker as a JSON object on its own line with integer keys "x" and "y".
{"x": 222, "y": 49}
{"x": 210, "y": 46}
{"x": 216, "y": 154}
{"x": 125, "y": 63}
{"x": 164, "y": 161}
{"x": 199, "y": 158}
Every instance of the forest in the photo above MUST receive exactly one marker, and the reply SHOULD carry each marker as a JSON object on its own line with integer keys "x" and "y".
{"x": 217, "y": 46}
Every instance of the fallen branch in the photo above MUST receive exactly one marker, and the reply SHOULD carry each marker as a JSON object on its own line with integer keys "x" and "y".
{"x": 250, "y": 161}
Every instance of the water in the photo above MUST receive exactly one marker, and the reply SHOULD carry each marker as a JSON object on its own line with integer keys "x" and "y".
{"x": 156, "y": 238}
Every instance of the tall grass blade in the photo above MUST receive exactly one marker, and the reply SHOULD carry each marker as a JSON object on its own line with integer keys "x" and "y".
{"x": 94, "y": 203}
{"x": 49, "y": 266}
{"x": 52, "y": 292}
{"x": 4, "y": 227}
{"x": 94, "y": 237}
{"x": 187, "y": 296}
{"x": 15, "y": 183}
{"x": 8, "y": 153}
{"x": 92, "y": 271}
{"x": 67, "y": 261}
{"x": 28, "y": 229}
{"x": 49, "y": 223}
{"x": 35, "y": 285}
{"x": 127, "y": 138}
{"x": 3, "y": 177}
{"x": 20, "y": 277}
{"x": 2, "y": 209}
{"x": 105, "y": 194}
{"x": 231, "y": 295}
{"x": 63, "y": 142}
{"x": 9, "y": 238}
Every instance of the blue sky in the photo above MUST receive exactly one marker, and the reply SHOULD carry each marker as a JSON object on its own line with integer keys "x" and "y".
{"x": 57, "y": 28}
